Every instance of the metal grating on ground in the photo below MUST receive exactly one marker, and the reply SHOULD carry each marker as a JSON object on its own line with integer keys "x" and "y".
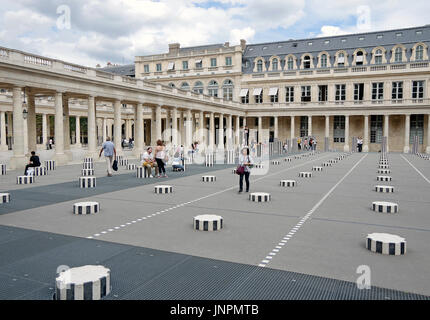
{"x": 28, "y": 264}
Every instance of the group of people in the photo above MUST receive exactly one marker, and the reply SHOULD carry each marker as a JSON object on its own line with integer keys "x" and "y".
{"x": 306, "y": 144}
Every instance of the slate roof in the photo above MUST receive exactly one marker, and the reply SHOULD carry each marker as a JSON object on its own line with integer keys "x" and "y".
{"x": 126, "y": 70}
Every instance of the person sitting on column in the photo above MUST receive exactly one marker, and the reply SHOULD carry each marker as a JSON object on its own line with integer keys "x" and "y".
{"x": 109, "y": 153}
{"x": 177, "y": 162}
{"x": 33, "y": 163}
{"x": 148, "y": 162}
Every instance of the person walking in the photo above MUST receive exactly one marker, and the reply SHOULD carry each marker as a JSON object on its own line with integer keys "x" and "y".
{"x": 33, "y": 163}
{"x": 246, "y": 135}
{"x": 160, "y": 156}
{"x": 50, "y": 143}
{"x": 245, "y": 161}
{"x": 360, "y": 144}
{"x": 109, "y": 153}
{"x": 299, "y": 144}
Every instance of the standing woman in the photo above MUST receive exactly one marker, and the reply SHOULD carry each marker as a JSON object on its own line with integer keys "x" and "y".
{"x": 246, "y": 163}
{"x": 160, "y": 155}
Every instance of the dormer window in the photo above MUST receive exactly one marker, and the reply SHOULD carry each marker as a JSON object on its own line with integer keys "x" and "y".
{"x": 275, "y": 64}
{"x": 306, "y": 62}
{"x": 378, "y": 56}
{"x": 419, "y": 53}
{"x": 260, "y": 66}
{"x": 359, "y": 59}
{"x": 341, "y": 60}
{"x": 290, "y": 63}
{"x": 324, "y": 61}
{"x": 398, "y": 55}
{"x": 399, "y": 34}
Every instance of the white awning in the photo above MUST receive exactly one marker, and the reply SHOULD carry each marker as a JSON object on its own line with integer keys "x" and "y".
{"x": 341, "y": 60}
{"x": 257, "y": 91}
{"x": 199, "y": 61}
{"x": 243, "y": 92}
{"x": 273, "y": 91}
{"x": 359, "y": 59}
{"x": 171, "y": 66}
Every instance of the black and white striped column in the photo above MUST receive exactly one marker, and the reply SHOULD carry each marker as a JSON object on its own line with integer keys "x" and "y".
{"x": 142, "y": 173}
{"x": 297, "y": 157}
{"x": 305, "y": 174}
{"x": 89, "y": 160}
{"x": 208, "y": 222}
{"x": 123, "y": 162}
{"x": 163, "y": 189}
{"x": 326, "y": 164}
{"x": 332, "y": 161}
{"x": 50, "y": 165}
{"x": 3, "y": 170}
{"x": 384, "y": 178}
{"x": 276, "y": 162}
{"x": 233, "y": 171}
{"x": 259, "y": 197}
{"x": 386, "y": 243}
{"x": 385, "y": 189}
{"x": 384, "y": 171}
{"x": 317, "y": 168}
{"x": 288, "y": 183}
{"x": 209, "y": 160}
{"x": 25, "y": 180}
{"x": 86, "y": 207}
{"x": 259, "y": 166}
{"x": 4, "y": 197}
{"x": 40, "y": 171}
{"x": 87, "y": 172}
{"x": 383, "y": 166}
{"x": 83, "y": 283}
{"x": 88, "y": 165}
{"x": 87, "y": 182}
{"x": 131, "y": 166}
{"x": 385, "y": 207}
{"x": 208, "y": 178}
{"x": 287, "y": 159}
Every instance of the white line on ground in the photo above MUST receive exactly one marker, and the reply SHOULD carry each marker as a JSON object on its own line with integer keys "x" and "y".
{"x": 421, "y": 174}
{"x": 222, "y": 191}
{"x": 292, "y": 232}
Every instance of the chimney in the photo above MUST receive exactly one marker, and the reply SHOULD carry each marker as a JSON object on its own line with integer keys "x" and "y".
{"x": 243, "y": 44}
{"x": 174, "y": 48}
{"x": 227, "y": 44}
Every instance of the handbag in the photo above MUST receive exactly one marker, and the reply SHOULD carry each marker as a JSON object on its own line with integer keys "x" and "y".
{"x": 115, "y": 165}
{"x": 240, "y": 170}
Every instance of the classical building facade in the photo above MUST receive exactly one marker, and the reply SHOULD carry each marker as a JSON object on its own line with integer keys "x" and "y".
{"x": 370, "y": 85}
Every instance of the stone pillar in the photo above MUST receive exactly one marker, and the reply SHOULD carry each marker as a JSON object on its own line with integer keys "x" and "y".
{"x": 158, "y": 123}
{"x": 407, "y": 133}
{"x": 78, "y": 131}
{"x": 66, "y": 125}
{"x": 175, "y": 126}
{"x": 202, "y": 129}
{"x": 104, "y": 130}
{"x": 168, "y": 130}
{"x": 292, "y": 128}
{"x": 188, "y": 130}
{"x": 92, "y": 132}
{"x": 276, "y": 133}
{"x": 44, "y": 130}
{"x": 260, "y": 129}
{"x": 346, "y": 146}
{"x": 212, "y": 131}
{"x": 181, "y": 128}
{"x": 309, "y": 125}
{"x": 229, "y": 132}
{"x": 3, "y": 143}
{"x": 153, "y": 116}
{"x": 221, "y": 132}
{"x": 327, "y": 132}
{"x": 138, "y": 130}
{"x": 387, "y": 129}
{"x": 117, "y": 127}
{"x": 237, "y": 129}
{"x": 31, "y": 124}
{"x": 60, "y": 157}
{"x": 428, "y": 134}
{"x": 366, "y": 134}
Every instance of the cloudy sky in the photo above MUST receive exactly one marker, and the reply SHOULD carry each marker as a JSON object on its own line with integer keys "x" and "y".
{"x": 99, "y": 31}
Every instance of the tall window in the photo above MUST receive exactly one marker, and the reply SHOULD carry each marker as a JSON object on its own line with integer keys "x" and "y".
{"x": 199, "y": 64}
{"x": 304, "y": 126}
{"x": 398, "y": 55}
{"x": 213, "y": 62}
{"x": 323, "y": 61}
{"x": 358, "y": 91}
{"x": 359, "y": 58}
{"x": 227, "y": 90}
{"x": 260, "y": 66}
{"x": 322, "y": 93}
{"x": 397, "y": 91}
{"x": 146, "y": 68}
{"x": 306, "y": 62}
{"x": 338, "y": 129}
{"x": 275, "y": 64}
{"x": 378, "y": 56}
{"x": 274, "y": 95}
{"x": 378, "y": 91}
{"x": 376, "y": 124}
{"x": 184, "y": 65}
{"x": 158, "y": 67}
{"x": 419, "y": 53}
{"x": 213, "y": 88}
{"x": 340, "y": 92}
{"x": 228, "y": 61}
{"x": 245, "y": 99}
{"x": 290, "y": 63}
{"x": 417, "y": 89}
{"x": 259, "y": 97}
{"x": 185, "y": 86}
{"x": 289, "y": 94}
{"x": 417, "y": 128}
{"x": 306, "y": 93}
{"x": 341, "y": 60}
{"x": 198, "y": 87}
